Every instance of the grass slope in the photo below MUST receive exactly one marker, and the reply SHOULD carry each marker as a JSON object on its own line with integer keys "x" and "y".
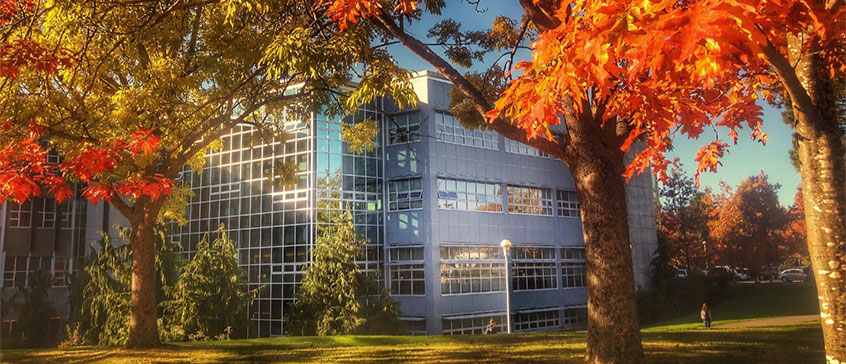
{"x": 752, "y": 301}
{"x": 678, "y": 341}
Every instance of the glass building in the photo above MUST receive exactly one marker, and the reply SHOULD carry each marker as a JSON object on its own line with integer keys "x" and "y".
{"x": 433, "y": 198}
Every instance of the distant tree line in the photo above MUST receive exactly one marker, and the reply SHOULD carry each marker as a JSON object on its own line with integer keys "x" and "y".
{"x": 743, "y": 227}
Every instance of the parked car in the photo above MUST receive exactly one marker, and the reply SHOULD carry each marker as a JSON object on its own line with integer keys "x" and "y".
{"x": 767, "y": 273}
{"x": 742, "y": 275}
{"x": 724, "y": 274}
{"x": 793, "y": 275}
{"x": 681, "y": 273}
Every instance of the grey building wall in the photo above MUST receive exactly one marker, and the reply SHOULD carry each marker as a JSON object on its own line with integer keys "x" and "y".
{"x": 430, "y": 226}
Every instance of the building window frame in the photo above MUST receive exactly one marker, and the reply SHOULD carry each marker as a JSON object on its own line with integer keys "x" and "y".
{"x": 527, "y": 200}
{"x": 567, "y": 203}
{"x": 47, "y": 214}
{"x": 471, "y": 269}
{"x": 573, "y": 267}
{"x": 449, "y": 130}
{"x": 20, "y": 215}
{"x": 406, "y": 271}
{"x": 469, "y": 195}
{"x": 404, "y": 127}
{"x": 405, "y": 194}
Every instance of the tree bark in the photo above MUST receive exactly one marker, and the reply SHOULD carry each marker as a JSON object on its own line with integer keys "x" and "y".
{"x": 613, "y": 328}
{"x": 823, "y": 170}
{"x": 143, "y": 327}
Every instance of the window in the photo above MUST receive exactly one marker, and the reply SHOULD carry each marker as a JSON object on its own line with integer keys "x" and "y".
{"x": 568, "y": 203}
{"x": 61, "y": 272}
{"x": 473, "y": 325}
{"x": 449, "y": 130}
{"x": 532, "y": 253}
{"x": 453, "y": 252}
{"x": 573, "y": 254}
{"x": 405, "y": 194}
{"x": 573, "y": 269}
{"x": 534, "y": 268}
{"x": 404, "y": 127}
{"x": 469, "y": 269}
{"x": 406, "y": 271}
{"x": 414, "y": 325}
{"x": 52, "y": 155}
{"x": 48, "y": 213}
{"x": 529, "y": 200}
{"x": 18, "y": 270}
{"x": 512, "y": 146}
{"x": 469, "y": 196}
{"x": 14, "y": 274}
{"x": 20, "y": 214}
{"x": 534, "y": 275}
{"x": 575, "y": 316}
{"x": 66, "y": 209}
{"x": 531, "y": 321}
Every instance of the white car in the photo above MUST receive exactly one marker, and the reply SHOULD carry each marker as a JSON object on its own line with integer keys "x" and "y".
{"x": 792, "y": 275}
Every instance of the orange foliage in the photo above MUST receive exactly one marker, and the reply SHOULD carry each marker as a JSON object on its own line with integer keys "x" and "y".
{"x": 747, "y": 225}
{"x": 350, "y": 11}
{"x": 665, "y": 66}
{"x": 24, "y": 170}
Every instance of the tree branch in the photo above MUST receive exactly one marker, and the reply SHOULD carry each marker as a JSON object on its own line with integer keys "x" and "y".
{"x": 500, "y": 125}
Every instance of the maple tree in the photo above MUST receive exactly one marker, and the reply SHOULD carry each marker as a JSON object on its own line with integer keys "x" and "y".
{"x": 623, "y": 71}
{"x": 747, "y": 226}
{"x": 136, "y": 91}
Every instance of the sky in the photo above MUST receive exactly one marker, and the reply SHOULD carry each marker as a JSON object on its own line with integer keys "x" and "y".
{"x": 745, "y": 159}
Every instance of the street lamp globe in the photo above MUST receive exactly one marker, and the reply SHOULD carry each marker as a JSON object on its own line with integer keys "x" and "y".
{"x": 505, "y": 244}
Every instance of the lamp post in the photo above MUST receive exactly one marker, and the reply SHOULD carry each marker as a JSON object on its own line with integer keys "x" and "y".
{"x": 506, "y": 250}
{"x": 705, "y": 247}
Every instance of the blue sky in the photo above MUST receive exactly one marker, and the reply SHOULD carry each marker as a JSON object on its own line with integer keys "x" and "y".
{"x": 745, "y": 159}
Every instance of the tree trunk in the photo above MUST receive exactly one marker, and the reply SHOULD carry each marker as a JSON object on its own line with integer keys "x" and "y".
{"x": 613, "y": 329}
{"x": 823, "y": 171}
{"x": 143, "y": 329}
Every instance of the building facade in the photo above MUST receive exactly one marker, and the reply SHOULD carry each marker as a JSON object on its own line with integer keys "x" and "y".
{"x": 434, "y": 200}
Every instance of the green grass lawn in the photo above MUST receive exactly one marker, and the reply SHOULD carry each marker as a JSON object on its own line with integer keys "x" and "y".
{"x": 678, "y": 341}
{"x": 752, "y": 301}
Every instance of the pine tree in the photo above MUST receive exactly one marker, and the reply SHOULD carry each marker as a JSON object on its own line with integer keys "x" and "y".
{"x": 335, "y": 296}
{"x": 210, "y": 296}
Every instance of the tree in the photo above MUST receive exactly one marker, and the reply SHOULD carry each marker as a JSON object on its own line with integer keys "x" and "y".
{"x": 748, "y": 225}
{"x": 210, "y": 296}
{"x": 795, "y": 248}
{"x": 148, "y": 87}
{"x": 35, "y": 309}
{"x": 100, "y": 292}
{"x": 335, "y": 297}
{"x": 684, "y": 220}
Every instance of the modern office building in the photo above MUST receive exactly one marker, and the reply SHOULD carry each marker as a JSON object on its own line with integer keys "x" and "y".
{"x": 434, "y": 200}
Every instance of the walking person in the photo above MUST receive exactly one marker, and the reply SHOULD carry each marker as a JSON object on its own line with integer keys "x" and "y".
{"x": 490, "y": 328}
{"x": 705, "y": 314}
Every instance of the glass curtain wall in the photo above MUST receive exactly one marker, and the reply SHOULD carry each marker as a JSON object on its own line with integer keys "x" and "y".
{"x": 274, "y": 226}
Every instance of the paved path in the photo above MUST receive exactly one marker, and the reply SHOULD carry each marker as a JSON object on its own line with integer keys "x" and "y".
{"x": 772, "y": 321}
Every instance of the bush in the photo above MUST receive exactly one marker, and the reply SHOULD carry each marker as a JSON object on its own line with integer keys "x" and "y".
{"x": 210, "y": 296}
